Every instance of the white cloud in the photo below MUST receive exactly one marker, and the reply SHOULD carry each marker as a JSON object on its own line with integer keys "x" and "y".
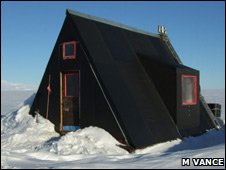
{"x": 9, "y": 86}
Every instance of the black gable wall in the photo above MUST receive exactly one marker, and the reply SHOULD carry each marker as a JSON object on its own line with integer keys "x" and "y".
{"x": 94, "y": 110}
{"x": 54, "y": 66}
{"x": 52, "y": 69}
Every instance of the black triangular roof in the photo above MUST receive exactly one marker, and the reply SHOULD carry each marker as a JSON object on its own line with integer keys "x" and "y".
{"x": 113, "y": 51}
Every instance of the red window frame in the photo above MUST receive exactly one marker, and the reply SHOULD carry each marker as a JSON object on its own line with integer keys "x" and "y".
{"x": 71, "y": 56}
{"x": 65, "y": 85}
{"x": 195, "y": 89}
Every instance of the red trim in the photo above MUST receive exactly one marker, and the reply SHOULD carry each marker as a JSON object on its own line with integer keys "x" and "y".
{"x": 65, "y": 84}
{"x": 195, "y": 89}
{"x": 71, "y": 56}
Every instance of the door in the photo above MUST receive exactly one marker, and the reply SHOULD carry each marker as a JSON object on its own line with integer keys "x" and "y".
{"x": 70, "y": 101}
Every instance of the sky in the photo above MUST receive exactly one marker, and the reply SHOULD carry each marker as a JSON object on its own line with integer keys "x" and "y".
{"x": 29, "y": 31}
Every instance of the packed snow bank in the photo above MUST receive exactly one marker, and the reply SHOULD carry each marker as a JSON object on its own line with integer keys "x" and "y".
{"x": 19, "y": 130}
{"x": 91, "y": 140}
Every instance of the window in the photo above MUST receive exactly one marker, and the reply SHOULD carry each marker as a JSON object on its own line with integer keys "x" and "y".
{"x": 69, "y": 50}
{"x": 189, "y": 90}
{"x": 71, "y": 85}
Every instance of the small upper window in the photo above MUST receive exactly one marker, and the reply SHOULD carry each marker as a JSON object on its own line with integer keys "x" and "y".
{"x": 189, "y": 90}
{"x": 69, "y": 50}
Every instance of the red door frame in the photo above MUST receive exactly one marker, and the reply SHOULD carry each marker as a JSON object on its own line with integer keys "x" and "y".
{"x": 62, "y": 86}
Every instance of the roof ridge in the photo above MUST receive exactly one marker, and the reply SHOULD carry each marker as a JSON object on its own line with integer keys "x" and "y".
{"x": 113, "y": 23}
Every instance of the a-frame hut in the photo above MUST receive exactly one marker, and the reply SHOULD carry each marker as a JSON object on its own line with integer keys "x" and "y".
{"x": 129, "y": 82}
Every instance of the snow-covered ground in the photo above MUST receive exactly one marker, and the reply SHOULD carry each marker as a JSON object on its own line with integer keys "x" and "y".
{"x": 28, "y": 144}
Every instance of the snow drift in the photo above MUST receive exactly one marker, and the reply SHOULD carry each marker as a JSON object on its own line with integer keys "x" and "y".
{"x": 21, "y": 132}
{"x": 91, "y": 140}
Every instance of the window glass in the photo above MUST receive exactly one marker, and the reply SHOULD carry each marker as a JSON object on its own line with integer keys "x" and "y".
{"x": 189, "y": 90}
{"x": 70, "y": 85}
{"x": 69, "y": 49}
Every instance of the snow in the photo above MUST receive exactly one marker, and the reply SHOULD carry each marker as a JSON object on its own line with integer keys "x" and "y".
{"x": 27, "y": 144}
{"x": 91, "y": 140}
{"x": 20, "y": 132}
